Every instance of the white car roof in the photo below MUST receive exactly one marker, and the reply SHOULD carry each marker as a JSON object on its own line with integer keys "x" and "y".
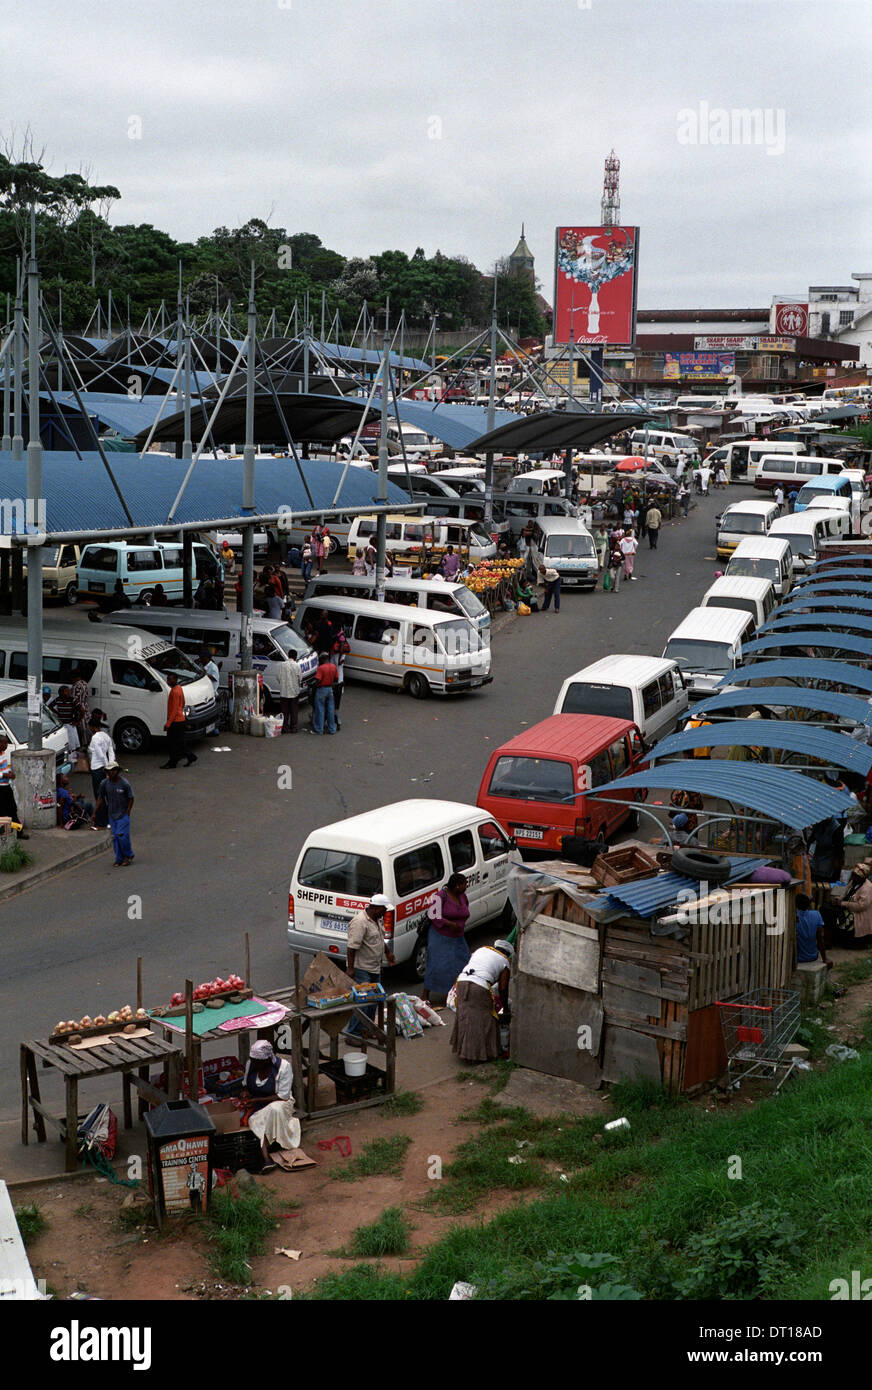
{"x": 755, "y": 508}
{"x": 735, "y": 586}
{"x": 765, "y": 547}
{"x": 711, "y": 625}
{"x": 394, "y": 826}
{"x": 623, "y": 668}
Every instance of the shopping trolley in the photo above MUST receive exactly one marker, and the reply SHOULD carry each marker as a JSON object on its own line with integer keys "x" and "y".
{"x": 757, "y": 1027}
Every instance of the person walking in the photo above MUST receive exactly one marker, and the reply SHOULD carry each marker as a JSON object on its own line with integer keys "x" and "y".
{"x": 227, "y": 557}
{"x": 116, "y": 794}
{"x": 616, "y": 564}
{"x": 210, "y": 666}
{"x": 684, "y": 498}
{"x": 340, "y": 651}
{"x": 101, "y": 752}
{"x": 176, "y": 724}
{"x": 323, "y": 710}
{"x": 318, "y": 548}
{"x": 551, "y": 579}
{"x": 367, "y": 951}
{"x": 307, "y": 555}
{"x": 653, "y": 522}
{"x": 705, "y": 474}
{"x": 721, "y": 476}
{"x": 290, "y": 685}
{"x": 779, "y": 498}
{"x": 629, "y": 546}
{"x": 447, "y": 949}
{"x": 81, "y": 705}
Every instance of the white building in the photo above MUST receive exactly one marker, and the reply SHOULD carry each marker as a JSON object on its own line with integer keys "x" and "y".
{"x": 844, "y": 313}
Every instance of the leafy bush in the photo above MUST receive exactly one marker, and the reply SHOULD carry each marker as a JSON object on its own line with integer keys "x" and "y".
{"x": 745, "y": 1256}
{"x": 561, "y": 1278}
{"x": 14, "y": 858}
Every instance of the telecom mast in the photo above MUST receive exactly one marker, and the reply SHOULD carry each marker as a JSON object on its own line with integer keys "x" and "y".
{"x": 610, "y": 207}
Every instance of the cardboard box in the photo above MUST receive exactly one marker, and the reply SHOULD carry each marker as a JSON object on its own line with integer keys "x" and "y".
{"x": 225, "y": 1117}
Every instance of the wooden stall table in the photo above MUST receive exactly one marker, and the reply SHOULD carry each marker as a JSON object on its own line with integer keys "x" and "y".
{"x": 245, "y": 1020}
{"x": 308, "y": 1030}
{"x": 131, "y": 1057}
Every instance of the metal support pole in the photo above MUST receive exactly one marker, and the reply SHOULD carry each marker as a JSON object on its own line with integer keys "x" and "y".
{"x": 596, "y": 375}
{"x": 491, "y": 400}
{"x": 187, "y": 446}
{"x": 6, "y": 444}
{"x": 248, "y": 456}
{"x": 382, "y": 492}
{"x": 35, "y": 509}
{"x": 187, "y": 569}
{"x": 18, "y": 384}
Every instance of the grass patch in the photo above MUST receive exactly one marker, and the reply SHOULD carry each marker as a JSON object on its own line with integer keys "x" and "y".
{"x": 240, "y": 1228}
{"x": 31, "y": 1222}
{"x": 389, "y": 1235}
{"x": 852, "y": 972}
{"x": 379, "y": 1158}
{"x": 495, "y": 1075}
{"x": 363, "y": 1283}
{"x": 83, "y": 1209}
{"x": 403, "y": 1103}
{"x": 14, "y": 858}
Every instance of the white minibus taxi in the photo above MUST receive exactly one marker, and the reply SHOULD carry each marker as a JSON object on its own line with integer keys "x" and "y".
{"x": 438, "y": 595}
{"x": 407, "y": 851}
{"x": 645, "y": 689}
{"x": 707, "y": 645}
{"x": 763, "y": 557}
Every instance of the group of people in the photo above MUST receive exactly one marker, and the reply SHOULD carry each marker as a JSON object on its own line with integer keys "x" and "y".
{"x": 331, "y": 644}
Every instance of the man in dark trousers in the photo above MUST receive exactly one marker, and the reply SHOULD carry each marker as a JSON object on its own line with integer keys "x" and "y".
{"x": 176, "y": 724}
{"x": 116, "y": 794}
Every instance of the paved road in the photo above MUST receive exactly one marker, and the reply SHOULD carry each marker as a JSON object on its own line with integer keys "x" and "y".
{"x": 216, "y": 843}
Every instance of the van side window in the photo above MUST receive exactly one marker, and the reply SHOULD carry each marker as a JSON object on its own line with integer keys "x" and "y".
{"x": 100, "y": 557}
{"x": 492, "y": 840}
{"x": 262, "y": 646}
{"x": 620, "y": 757}
{"x": 56, "y": 670}
{"x": 131, "y": 673}
{"x": 370, "y": 629}
{"x": 651, "y": 701}
{"x": 68, "y": 556}
{"x": 462, "y": 850}
{"x": 418, "y": 869}
{"x": 172, "y": 558}
{"x": 143, "y": 560}
{"x": 193, "y": 639}
{"x": 667, "y": 688}
{"x": 600, "y": 769}
{"x": 440, "y": 603}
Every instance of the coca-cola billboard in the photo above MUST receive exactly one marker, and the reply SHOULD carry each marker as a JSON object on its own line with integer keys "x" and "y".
{"x": 595, "y": 285}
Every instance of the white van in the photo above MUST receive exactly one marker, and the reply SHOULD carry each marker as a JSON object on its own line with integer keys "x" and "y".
{"x": 567, "y": 546}
{"x": 763, "y": 557}
{"x": 126, "y": 674}
{"x": 412, "y": 440}
{"x": 744, "y": 455}
{"x": 518, "y": 510}
{"x": 707, "y": 645}
{"x": 192, "y": 629}
{"x": 792, "y": 470}
{"x": 140, "y": 567}
{"x": 663, "y": 444}
{"x": 645, "y": 689}
{"x": 743, "y": 519}
{"x": 60, "y": 571}
{"x": 754, "y": 596}
{"x": 420, "y": 652}
{"x": 807, "y": 532}
{"x": 539, "y": 482}
{"x": 438, "y": 595}
{"x": 406, "y": 851}
{"x": 414, "y": 538}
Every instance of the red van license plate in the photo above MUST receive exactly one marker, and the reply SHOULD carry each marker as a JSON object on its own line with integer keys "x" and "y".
{"x": 527, "y": 832}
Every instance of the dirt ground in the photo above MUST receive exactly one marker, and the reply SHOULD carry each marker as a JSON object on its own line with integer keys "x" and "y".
{"x": 86, "y": 1246}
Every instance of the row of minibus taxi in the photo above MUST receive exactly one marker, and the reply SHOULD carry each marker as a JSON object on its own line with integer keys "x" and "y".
{"x": 535, "y": 795}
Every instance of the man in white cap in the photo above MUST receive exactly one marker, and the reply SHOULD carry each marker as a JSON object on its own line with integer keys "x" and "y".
{"x": 367, "y": 951}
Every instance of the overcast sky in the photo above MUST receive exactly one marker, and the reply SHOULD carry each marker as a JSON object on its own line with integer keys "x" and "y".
{"x": 441, "y": 124}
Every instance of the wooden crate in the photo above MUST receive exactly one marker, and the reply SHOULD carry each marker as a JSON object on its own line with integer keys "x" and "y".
{"x": 623, "y": 865}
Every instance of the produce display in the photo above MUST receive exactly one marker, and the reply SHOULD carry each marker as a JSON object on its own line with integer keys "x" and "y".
{"x": 119, "y": 1020}
{"x": 490, "y": 574}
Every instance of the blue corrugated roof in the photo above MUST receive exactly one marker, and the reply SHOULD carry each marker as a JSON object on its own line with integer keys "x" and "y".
{"x": 834, "y": 579}
{"x": 796, "y": 668}
{"x": 646, "y": 896}
{"x": 852, "y": 622}
{"x": 370, "y": 357}
{"x": 793, "y": 696}
{"x": 80, "y": 498}
{"x": 836, "y": 602}
{"x": 790, "y": 798}
{"x": 835, "y": 641}
{"x": 858, "y": 557}
{"x": 118, "y": 411}
{"x": 836, "y": 749}
{"x": 456, "y": 425}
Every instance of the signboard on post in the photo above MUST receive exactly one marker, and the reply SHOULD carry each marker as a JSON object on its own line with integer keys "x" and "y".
{"x": 595, "y": 285}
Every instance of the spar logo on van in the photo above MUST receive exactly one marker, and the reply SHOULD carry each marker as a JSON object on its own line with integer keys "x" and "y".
{"x": 413, "y": 905}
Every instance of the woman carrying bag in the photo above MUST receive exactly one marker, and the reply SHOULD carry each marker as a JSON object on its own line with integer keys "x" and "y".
{"x": 447, "y": 951}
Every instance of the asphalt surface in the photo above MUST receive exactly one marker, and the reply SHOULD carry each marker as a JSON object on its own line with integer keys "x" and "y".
{"x": 216, "y": 843}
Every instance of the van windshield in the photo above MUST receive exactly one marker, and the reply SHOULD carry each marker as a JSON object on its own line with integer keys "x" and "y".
{"x": 584, "y": 697}
{"x": 570, "y": 547}
{"x": 458, "y": 638}
{"x": 466, "y": 599}
{"x": 15, "y": 717}
{"x": 341, "y": 871}
{"x": 810, "y": 490}
{"x": 171, "y": 662}
{"x": 753, "y": 567}
{"x": 699, "y": 655}
{"x": 802, "y": 545}
{"x": 286, "y": 639}
{"x": 531, "y": 779}
{"x": 744, "y": 524}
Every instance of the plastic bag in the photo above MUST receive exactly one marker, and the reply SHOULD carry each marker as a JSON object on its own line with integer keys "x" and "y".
{"x": 607, "y": 581}
{"x": 524, "y": 609}
{"x": 408, "y": 1021}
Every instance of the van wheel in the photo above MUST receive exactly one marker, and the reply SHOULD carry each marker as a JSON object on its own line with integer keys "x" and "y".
{"x": 71, "y": 594}
{"x": 632, "y": 821}
{"x": 131, "y": 735}
{"x": 419, "y": 959}
{"x": 332, "y": 545}
{"x": 146, "y": 596}
{"x": 418, "y": 686}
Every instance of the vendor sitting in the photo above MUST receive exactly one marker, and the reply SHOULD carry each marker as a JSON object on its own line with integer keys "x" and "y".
{"x": 809, "y": 933}
{"x": 525, "y": 593}
{"x": 267, "y": 1083}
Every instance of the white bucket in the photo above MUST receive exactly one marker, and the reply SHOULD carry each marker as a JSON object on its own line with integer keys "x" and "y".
{"x": 355, "y": 1063}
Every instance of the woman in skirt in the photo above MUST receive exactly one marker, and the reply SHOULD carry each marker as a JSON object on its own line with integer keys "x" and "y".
{"x": 475, "y": 1037}
{"x": 447, "y": 951}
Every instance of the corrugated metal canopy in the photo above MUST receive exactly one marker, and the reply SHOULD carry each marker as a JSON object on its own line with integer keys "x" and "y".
{"x": 860, "y": 557}
{"x": 837, "y": 750}
{"x": 311, "y": 417}
{"x": 834, "y": 641}
{"x": 646, "y": 896}
{"x": 790, "y": 798}
{"x": 850, "y": 622}
{"x": 127, "y": 414}
{"x": 458, "y": 426}
{"x": 835, "y": 579}
{"x": 834, "y": 602}
{"x": 848, "y": 707}
{"x": 797, "y": 668}
{"x": 548, "y": 430}
{"x": 80, "y": 498}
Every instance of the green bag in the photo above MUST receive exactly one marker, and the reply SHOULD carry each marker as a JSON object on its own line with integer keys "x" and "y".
{"x": 607, "y": 581}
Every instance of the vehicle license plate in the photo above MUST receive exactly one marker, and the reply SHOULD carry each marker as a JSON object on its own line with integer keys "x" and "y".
{"x": 526, "y": 832}
{"x": 334, "y": 924}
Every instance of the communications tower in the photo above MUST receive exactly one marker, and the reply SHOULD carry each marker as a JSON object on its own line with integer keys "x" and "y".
{"x": 610, "y": 207}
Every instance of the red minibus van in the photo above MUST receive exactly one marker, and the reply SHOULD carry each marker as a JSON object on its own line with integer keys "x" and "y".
{"x": 531, "y": 784}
